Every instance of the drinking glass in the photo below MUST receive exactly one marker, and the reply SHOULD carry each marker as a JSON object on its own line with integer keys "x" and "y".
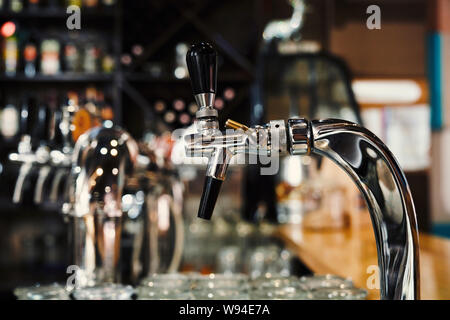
{"x": 279, "y": 288}
{"x": 339, "y": 294}
{"x": 220, "y": 287}
{"x": 52, "y": 291}
{"x": 106, "y": 291}
{"x": 169, "y": 286}
{"x": 325, "y": 281}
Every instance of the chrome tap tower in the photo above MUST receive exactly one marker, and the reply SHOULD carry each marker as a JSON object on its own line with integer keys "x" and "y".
{"x": 355, "y": 149}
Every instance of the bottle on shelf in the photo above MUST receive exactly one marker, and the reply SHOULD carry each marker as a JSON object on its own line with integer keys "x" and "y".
{"x": 91, "y": 58}
{"x": 30, "y": 53}
{"x": 16, "y": 5}
{"x": 11, "y": 54}
{"x": 72, "y": 57}
{"x": 50, "y": 64}
{"x": 9, "y": 122}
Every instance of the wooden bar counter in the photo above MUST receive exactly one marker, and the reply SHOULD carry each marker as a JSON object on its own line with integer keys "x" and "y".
{"x": 351, "y": 252}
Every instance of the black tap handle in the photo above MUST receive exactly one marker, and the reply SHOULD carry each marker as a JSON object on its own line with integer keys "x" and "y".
{"x": 211, "y": 191}
{"x": 201, "y": 61}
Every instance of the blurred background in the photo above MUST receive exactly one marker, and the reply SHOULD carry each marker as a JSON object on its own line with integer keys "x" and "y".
{"x": 277, "y": 59}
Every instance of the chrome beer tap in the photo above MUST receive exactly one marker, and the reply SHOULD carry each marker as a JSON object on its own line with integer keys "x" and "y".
{"x": 102, "y": 159}
{"x": 355, "y": 149}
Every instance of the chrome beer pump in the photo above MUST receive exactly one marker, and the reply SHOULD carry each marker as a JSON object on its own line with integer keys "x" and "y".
{"x": 355, "y": 149}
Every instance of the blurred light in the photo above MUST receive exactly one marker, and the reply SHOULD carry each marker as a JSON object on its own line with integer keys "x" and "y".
{"x": 113, "y": 143}
{"x": 218, "y": 103}
{"x": 127, "y": 202}
{"x": 293, "y": 171}
{"x": 115, "y": 171}
{"x": 180, "y": 73}
{"x": 137, "y": 49}
{"x": 99, "y": 171}
{"x": 229, "y": 94}
{"x": 108, "y": 124}
{"x": 103, "y": 151}
{"x": 163, "y": 212}
{"x": 386, "y": 91}
{"x": 8, "y": 29}
{"x": 114, "y": 152}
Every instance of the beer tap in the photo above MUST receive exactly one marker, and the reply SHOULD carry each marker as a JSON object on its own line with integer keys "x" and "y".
{"x": 355, "y": 149}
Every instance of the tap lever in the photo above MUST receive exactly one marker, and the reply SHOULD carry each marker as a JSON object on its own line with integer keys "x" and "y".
{"x": 210, "y": 193}
{"x": 201, "y": 60}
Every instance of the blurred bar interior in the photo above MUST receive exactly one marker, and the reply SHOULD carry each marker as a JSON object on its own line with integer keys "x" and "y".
{"x": 65, "y": 91}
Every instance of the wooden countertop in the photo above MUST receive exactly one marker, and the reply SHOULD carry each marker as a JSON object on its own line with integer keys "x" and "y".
{"x": 350, "y": 252}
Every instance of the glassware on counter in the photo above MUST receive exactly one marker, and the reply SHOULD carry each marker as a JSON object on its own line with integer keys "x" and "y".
{"x": 220, "y": 287}
{"x": 326, "y": 281}
{"x": 279, "y": 288}
{"x": 106, "y": 291}
{"x": 168, "y": 286}
{"x": 52, "y": 291}
{"x": 339, "y": 294}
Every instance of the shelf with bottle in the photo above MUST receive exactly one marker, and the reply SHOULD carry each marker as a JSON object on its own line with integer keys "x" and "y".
{"x": 32, "y": 56}
{"x": 54, "y": 118}
{"x": 53, "y": 9}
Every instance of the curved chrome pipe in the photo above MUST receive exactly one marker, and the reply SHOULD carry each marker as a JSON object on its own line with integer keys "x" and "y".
{"x": 377, "y": 174}
{"x": 370, "y": 165}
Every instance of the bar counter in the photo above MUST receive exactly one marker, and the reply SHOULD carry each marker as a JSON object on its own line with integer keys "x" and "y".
{"x": 351, "y": 251}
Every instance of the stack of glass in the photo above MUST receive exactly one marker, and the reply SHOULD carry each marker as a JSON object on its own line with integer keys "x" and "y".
{"x": 220, "y": 287}
{"x": 169, "y": 286}
{"x": 232, "y": 286}
{"x": 52, "y": 291}
{"x": 331, "y": 287}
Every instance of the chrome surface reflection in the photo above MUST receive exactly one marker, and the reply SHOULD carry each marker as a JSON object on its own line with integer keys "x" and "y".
{"x": 102, "y": 159}
{"x": 377, "y": 174}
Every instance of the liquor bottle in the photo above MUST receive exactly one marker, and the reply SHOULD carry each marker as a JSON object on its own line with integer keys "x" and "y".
{"x": 108, "y": 63}
{"x": 30, "y": 59}
{"x": 106, "y": 110}
{"x": 9, "y": 122}
{"x": 11, "y": 55}
{"x": 71, "y": 57}
{"x": 91, "y": 57}
{"x": 50, "y": 64}
{"x": 16, "y": 5}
